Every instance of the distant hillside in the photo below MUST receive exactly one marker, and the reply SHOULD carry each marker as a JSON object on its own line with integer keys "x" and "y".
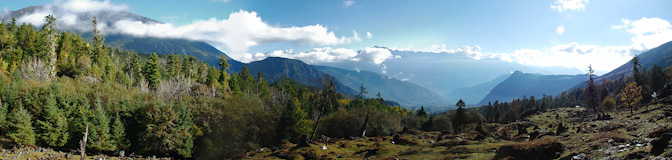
{"x": 474, "y": 94}
{"x": 274, "y": 68}
{"x": 406, "y": 93}
{"x": 200, "y": 50}
{"x": 521, "y": 84}
{"x": 661, "y": 56}
{"x": 442, "y": 72}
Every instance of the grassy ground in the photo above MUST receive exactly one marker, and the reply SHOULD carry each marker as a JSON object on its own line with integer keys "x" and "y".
{"x": 622, "y": 137}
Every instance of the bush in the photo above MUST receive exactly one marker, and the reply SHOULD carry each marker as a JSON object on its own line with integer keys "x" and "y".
{"x": 344, "y": 123}
{"x": 442, "y": 123}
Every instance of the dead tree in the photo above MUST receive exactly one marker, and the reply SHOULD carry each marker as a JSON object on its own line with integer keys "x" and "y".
{"x": 364, "y": 126}
{"x": 82, "y": 143}
{"x": 325, "y": 99}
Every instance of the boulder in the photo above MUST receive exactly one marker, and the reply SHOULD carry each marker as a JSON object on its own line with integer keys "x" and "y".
{"x": 547, "y": 148}
{"x": 660, "y": 143}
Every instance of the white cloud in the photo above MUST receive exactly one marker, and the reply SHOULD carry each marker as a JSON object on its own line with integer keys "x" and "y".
{"x": 326, "y": 54}
{"x": 649, "y": 32}
{"x": 225, "y": 1}
{"x": 383, "y": 69}
{"x": 5, "y": 11}
{"x": 79, "y": 6}
{"x": 36, "y": 18}
{"x": 242, "y": 30}
{"x": 560, "y": 30}
{"x": 375, "y": 55}
{"x": 563, "y": 5}
{"x": 572, "y": 55}
{"x": 348, "y": 3}
{"x": 369, "y": 35}
{"x": 317, "y": 55}
{"x": 235, "y": 35}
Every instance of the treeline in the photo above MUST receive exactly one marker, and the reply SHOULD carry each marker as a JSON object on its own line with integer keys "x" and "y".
{"x": 638, "y": 89}
{"x": 55, "y": 84}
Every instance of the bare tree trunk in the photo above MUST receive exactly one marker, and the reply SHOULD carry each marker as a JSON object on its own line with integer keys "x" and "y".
{"x": 82, "y": 143}
{"x": 317, "y": 123}
{"x": 364, "y": 126}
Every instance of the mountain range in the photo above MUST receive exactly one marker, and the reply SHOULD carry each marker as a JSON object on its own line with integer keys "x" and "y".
{"x": 422, "y": 78}
{"x": 521, "y": 84}
{"x": 405, "y": 93}
{"x": 445, "y": 72}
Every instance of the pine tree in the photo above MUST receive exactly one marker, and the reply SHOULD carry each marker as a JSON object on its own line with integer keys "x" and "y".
{"x": 224, "y": 77}
{"x": 213, "y": 76}
{"x": 168, "y": 130}
{"x": 235, "y": 84}
{"x": 635, "y": 70}
{"x": 27, "y": 40}
{"x": 187, "y": 67}
{"x": 51, "y": 45}
{"x": 422, "y": 112}
{"x": 135, "y": 70}
{"x": 657, "y": 79}
{"x": 591, "y": 91}
{"x": 362, "y": 92}
{"x": 152, "y": 73}
{"x": 290, "y": 122}
{"x": 246, "y": 81}
{"x": 100, "y": 138}
{"x": 3, "y": 117}
{"x": 20, "y": 127}
{"x": 262, "y": 86}
{"x": 54, "y": 129}
{"x": 174, "y": 65}
{"x": 119, "y": 133}
{"x": 203, "y": 73}
{"x": 460, "y": 116}
{"x": 100, "y": 56}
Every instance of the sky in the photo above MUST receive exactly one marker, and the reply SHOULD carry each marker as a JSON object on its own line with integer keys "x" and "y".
{"x": 564, "y": 33}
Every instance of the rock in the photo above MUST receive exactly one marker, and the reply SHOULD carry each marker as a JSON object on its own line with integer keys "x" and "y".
{"x": 547, "y": 148}
{"x": 659, "y": 144}
{"x": 325, "y": 139}
{"x": 534, "y": 135}
{"x": 404, "y": 140}
{"x": 480, "y": 130}
{"x": 522, "y": 129}
{"x": 561, "y": 129}
{"x": 581, "y": 156}
{"x": 309, "y": 154}
{"x": 636, "y": 155}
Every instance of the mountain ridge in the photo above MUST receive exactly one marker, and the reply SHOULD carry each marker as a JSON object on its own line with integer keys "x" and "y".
{"x": 521, "y": 84}
{"x": 406, "y": 93}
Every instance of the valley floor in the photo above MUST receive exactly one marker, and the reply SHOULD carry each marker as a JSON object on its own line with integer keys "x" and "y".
{"x": 645, "y": 135}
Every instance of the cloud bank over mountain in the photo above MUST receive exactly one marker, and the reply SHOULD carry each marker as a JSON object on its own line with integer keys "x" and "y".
{"x": 240, "y": 31}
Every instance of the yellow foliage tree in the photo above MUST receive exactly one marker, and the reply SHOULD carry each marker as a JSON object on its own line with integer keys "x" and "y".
{"x": 631, "y": 95}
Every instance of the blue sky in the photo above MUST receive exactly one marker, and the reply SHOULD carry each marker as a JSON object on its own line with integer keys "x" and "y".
{"x": 567, "y": 33}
